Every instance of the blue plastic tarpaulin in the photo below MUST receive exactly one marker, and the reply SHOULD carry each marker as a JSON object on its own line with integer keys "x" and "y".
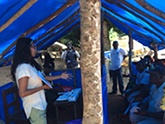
{"x": 147, "y": 27}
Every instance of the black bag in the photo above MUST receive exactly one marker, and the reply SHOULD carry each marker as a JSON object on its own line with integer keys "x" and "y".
{"x": 71, "y": 59}
{"x": 51, "y": 95}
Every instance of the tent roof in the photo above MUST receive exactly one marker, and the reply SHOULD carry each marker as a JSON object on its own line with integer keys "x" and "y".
{"x": 46, "y": 21}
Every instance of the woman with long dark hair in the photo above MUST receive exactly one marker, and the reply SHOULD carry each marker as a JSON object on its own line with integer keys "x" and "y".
{"x": 24, "y": 71}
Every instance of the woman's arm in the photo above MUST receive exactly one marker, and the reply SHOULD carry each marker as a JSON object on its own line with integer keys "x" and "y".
{"x": 63, "y": 76}
{"x": 23, "y": 91}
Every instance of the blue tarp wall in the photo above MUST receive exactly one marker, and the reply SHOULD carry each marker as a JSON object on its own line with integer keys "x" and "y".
{"x": 146, "y": 27}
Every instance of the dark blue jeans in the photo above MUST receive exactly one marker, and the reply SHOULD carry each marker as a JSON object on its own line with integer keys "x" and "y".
{"x": 117, "y": 75}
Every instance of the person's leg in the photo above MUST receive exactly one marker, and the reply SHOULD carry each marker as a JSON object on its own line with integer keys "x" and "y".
{"x": 120, "y": 80}
{"x": 114, "y": 79}
{"x": 37, "y": 116}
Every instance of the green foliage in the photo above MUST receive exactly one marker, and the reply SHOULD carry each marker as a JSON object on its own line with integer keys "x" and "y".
{"x": 112, "y": 34}
{"x": 113, "y": 29}
{"x": 73, "y": 36}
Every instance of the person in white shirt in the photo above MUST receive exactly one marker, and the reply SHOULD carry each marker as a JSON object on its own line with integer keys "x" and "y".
{"x": 141, "y": 83}
{"x": 117, "y": 57}
{"x": 25, "y": 72}
{"x": 70, "y": 56}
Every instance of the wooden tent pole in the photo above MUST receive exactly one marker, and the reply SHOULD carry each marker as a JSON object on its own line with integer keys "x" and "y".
{"x": 155, "y": 51}
{"x": 90, "y": 12}
{"x": 56, "y": 13}
{"x": 102, "y": 42}
{"x": 17, "y": 14}
{"x": 151, "y": 8}
{"x": 135, "y": 23}
{"x": 135, "y": 14}
{"x": 130, "y": 51}
{"x": 138, "y": 10}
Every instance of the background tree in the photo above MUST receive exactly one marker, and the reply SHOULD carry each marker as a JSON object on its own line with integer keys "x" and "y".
{"x": 110, "y": 33}
{"x": 73, "y": 36}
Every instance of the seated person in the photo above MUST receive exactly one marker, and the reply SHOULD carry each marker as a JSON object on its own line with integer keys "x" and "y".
{"x": 149, "y": 65}
{"x": 48, "y": 60}
{"x": 148, "y": 111}
{"x": 141, "y": 83}
{"x": 149, "y": 62}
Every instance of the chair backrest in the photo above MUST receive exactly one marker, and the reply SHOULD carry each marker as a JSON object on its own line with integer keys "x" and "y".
{"x": 11, "y": 101}
{"x": 11, "y": 92}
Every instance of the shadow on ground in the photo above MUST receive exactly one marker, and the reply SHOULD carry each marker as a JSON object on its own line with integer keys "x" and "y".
{"x": 116, "y": 105}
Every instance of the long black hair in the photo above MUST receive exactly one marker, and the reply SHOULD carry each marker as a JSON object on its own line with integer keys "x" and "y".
{"x": 23, "y": 55}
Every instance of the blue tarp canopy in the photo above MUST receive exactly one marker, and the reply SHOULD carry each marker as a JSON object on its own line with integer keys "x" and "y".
{"x": 46, "y": 21}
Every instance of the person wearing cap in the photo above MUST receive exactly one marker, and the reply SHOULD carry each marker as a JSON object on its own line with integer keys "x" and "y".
{"x": 148, "y": 111}
{"x": 117, "y": 57}
{"x": 142, "y": 86}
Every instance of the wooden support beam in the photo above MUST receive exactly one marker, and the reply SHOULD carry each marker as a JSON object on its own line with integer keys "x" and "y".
{"x": 61, "y": 9}
{"x": 102, "y": 43}
{"x": 58, "y": 26}
{"x": 2, "y": 60}
{"x": 17, "y": 14}
{"x": 77, "y": 24}
{"x": 130, "y": 51}
{"x": 151, "y": 31}
{"x": 135, "y": 14}
{"x": 130, "y": 27}
{"x": 6, "y": 62}
{"x": 51, "y": 17}
{"x": 74, "y": 78}
{"x": 138, "y": 10}
{"x": 9, "y": 47}
{"x": 52, "y": 35}
{"x": 151, "y": 8}
{"x": 155, "y": 48}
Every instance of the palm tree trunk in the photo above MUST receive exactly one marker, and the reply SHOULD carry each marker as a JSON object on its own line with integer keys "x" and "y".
{"x": 90, "y": 61}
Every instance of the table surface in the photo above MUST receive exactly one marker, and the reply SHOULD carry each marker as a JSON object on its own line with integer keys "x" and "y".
{"x": 65, "y": 102}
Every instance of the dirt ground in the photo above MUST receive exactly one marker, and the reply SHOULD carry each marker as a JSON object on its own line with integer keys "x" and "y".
{"x": 116, "y": 103}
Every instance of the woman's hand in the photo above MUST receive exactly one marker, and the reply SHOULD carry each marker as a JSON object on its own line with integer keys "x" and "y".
{"x": 46, "y": 87}
{"x": 66, "y": 76}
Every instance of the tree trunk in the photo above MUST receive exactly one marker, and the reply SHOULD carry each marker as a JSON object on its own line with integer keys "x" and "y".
{"x": 106, "y": 36}
{"x": 90, "y": 61}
